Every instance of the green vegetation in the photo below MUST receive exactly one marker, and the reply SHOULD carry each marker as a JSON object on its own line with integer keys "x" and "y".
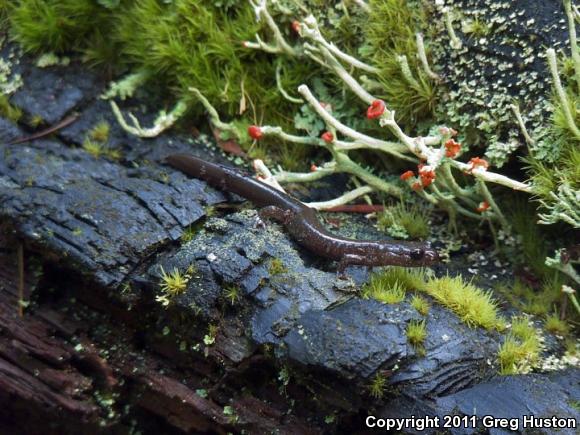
{"x": 384, "y": 290}
{"x": 232, "y": 293}
{"x": 97, "y": 149}
{"x": 100, "y": 132}
{"x": 377, "y": 386}
{"x": 521, "y": 348}
{"x": 404, "y": 221}
{"x": 54, "y": 25}
{"x": 556, "y": 326}
{"x": 277, "y": 267}
{"x": 9, "y": 111}
{"x": 421, "y": 305}
{"x": 173, "y": 284}
{"x": 390, "y": 33}
{"x": 474, "y": 306}
{"x": 416, "y": 334}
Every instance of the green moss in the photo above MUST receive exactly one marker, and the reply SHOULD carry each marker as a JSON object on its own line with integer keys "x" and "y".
{"x": 416, "y": 333}
{"x": 555, "y": 325}
{"x": 9, "y": 111}
{"x": 533, "y": 243}
{"x": 421, "y": 305}
{"x": 53, "y": 25}
{"x": 404, "y": 221}
{"x": 232, "y": 293}
{"x": 100, "y": 132}
{"x": 377, "y": 386}
{"x": 35, "y": 121}
{"x": 383, "y": 289}
{"x": 520, "y": 350}
{"x": 474, "y": 306}
{"x": 277, "y": 267}
{"x": 390, "y": 32}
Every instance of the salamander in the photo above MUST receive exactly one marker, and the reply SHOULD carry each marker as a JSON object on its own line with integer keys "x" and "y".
{"x": 301, "y": 221}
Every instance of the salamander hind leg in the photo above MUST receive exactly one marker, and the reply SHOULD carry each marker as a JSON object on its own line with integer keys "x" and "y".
{"x": 348, "y": 260}
{"x": 271, "y": 212}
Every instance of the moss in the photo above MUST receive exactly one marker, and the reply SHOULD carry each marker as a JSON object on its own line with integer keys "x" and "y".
{"x": 277, "y": 267}
{"x": 416, "y": 333}
{"x": 521, "y": 348}
{"x": 555, "y": 325}
{"x": 409, "y": 279}
{"x": 100, "y": 132}
{"x": 533, "y": 243}
{"x": 390, "y": 32}
{"x": 474, "y": 306}
{"x": 377, "y": 386}
{"x": 35, "y": 121}
{"x": 53, "y": 25}
{"x": 421, "y": 305}
{"x": 8, "y": 111}
{"x": 384, "y": 290}
{"x": 232, "y": 293}
{"x": 174, "y": 283}
{"x": 411, "y": 219}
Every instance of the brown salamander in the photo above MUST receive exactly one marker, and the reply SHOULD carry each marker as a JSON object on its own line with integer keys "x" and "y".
{"x": 301, "y": 221}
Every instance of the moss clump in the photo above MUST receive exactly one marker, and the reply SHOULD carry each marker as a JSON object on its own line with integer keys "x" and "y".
{"x": 384, "y": 290}
{"x": 377, "y": 386}
{"x": 173, "y": 284}
{"x": 409, "y": 279}
{"x": 100, "y": 132}
{"x": 474, "y": 306}
{"x": 54, "y": 25}
{"x": 421, "y": 305}
{"x": 520, "y": 350}
{"x": 416, "y": 333}
{"x": 390, "y": 32}
{"x": 97, "y": 150}
{"x": 232, "y": 293}
{"x": 8, "y": 111}
{"x": 555, "y": 325}
{"x": 277, "y": 267}
{"x": 404, "y": 221}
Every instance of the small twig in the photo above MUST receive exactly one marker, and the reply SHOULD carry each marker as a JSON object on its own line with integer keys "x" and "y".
{"x": 357, "y": 208}
{"x": 62, "y": 124}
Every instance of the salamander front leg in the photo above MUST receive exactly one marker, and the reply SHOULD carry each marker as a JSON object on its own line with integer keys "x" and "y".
{"x": 348, "y": 260}
{"x": 271, "y": 212}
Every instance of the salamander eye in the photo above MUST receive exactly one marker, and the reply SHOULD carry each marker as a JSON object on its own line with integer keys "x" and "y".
{"x": 417, "y": 254}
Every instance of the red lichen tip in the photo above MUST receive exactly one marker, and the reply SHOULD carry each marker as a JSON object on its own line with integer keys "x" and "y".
{"x": 296, "y": 26}
{"x": 452, "y": 148}
{"x": 478, "y": 162}
{"x": 483, "y": 206}
{"x": 406, "y": 175}
{"x": 376, "y": 109}
{"x": 416, "y": 186}
{"x": 255, "y": 132}
{"x": 427, "y": 174}
{"x": 327, "y": 137}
